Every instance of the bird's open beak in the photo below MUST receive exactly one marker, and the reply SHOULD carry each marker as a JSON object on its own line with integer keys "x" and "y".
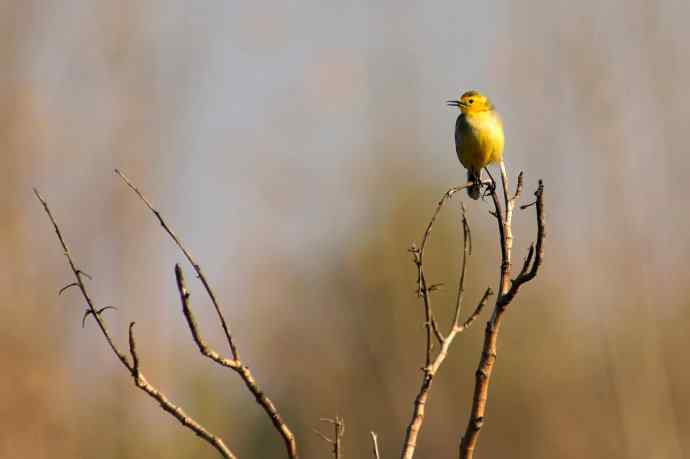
{"x": 453, "y": 103}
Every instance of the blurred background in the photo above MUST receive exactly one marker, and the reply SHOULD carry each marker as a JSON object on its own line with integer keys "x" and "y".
{"x": 299, "y": 148}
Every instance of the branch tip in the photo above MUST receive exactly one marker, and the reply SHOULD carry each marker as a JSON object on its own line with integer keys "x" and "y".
{"x": 133, "y": 352}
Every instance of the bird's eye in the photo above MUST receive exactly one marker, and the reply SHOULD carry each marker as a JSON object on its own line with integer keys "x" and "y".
{"x": 471, "y": 101}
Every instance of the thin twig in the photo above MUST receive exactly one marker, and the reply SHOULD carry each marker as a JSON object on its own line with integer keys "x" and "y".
{"x": 422, "y": 288}
{"x": 478, "y": 310}
{"x": 432, "y": 366}
{"x": 71, "y": 284}
{"x": 507, "y": 291}
{"x": 133, "y": 352}
{"x": 375, "y": 444}
{"x": 430, "y": 372}
{"x": 133, "y": 368}
{"x": 236, "y": 365}
{"x": 437, "y": 331}
{"x": 77, "y": 274}
{"x": 191, "y": 323}
{"x": 518, "y": 188}
{"x": 338, "y": 432}
{"x": 537, "y": 250}
{"x": 467, "y": 248}
{"x": 528, "y": 260}
{"x": 188, "y": 255}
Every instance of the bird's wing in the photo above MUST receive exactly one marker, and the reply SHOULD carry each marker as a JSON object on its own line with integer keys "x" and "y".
{"x": 461, "y": 126}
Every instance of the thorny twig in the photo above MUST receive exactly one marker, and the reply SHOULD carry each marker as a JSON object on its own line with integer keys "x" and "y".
{"x": 432, "y": 365}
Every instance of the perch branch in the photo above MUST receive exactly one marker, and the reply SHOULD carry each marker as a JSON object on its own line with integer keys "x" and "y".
{"x": 432, "y": 366}
{"x": 338, "y": 432}
{"x": 507, "y": 290}
{"x": 133, "y": 367}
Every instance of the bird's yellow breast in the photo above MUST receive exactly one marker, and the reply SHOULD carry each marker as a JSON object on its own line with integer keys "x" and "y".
{"x": 479, "y": 139}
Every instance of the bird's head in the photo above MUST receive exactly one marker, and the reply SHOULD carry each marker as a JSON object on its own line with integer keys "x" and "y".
{"x": 472, "y": 102}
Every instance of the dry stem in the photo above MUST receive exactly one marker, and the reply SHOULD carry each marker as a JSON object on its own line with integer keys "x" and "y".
{"x": 188, "y": 255}
{"x": 375, "y": 445}
{"x": 133, "y": 367}
{"x": 235, "y": 363}
{"x": 338, "y": 432}
{"x": 508, "y": 288}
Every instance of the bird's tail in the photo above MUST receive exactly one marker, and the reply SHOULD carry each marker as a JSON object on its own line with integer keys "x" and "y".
{"x": 473, "y": 191}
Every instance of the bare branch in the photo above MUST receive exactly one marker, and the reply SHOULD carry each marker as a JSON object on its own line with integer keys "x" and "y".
{"x": 505, "y": 184}
{"x": 467, "y": 248}
{"x": 242, "y": 370}
{"x": 133, "y": 367}
{"x": 437, "y": 331}
{"x": 184, "y": 419}
{"x": 422, "y": 288}
{"x": 424, "y": 292}
{"x": 541, "y": 233}
{"x": 447, "y": 195}
{"x": 530, "y": 204}
{"x": 432, "y": 366}
{"x": 338, "y": 432}
{"x": 133, "y": 352}
{"x": 528, "y": 260}
{"x": 518, "y": 188}
{"x": 538, "y": 251}
{"x": 188, "y": 255}
{"x": 507, "y": 291}
{"x": 234, "y": 363}
{"x": 191, "y": 322}
{"x": 77, "y": 274}
{"x": 477, "y": 310}
{"x": 375, "y": 444}
{"x": 82, "y": 273}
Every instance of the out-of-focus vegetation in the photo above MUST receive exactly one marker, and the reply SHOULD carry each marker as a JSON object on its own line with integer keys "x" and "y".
{"x": 299, "y": 150}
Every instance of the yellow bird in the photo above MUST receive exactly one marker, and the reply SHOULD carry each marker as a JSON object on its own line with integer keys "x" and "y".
{"x": 478, "y": 136}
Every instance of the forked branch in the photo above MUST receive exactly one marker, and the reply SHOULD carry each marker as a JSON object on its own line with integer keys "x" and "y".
{"x": 188, "y": 255}
{"x": 508, "y": 288}
{"x": 236, "y": 365}
{"x": 338, "y": 431}
{"x": 133, "y": 367}
{"x": 433, "y": 364}
{"x": 233, "y": 363}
